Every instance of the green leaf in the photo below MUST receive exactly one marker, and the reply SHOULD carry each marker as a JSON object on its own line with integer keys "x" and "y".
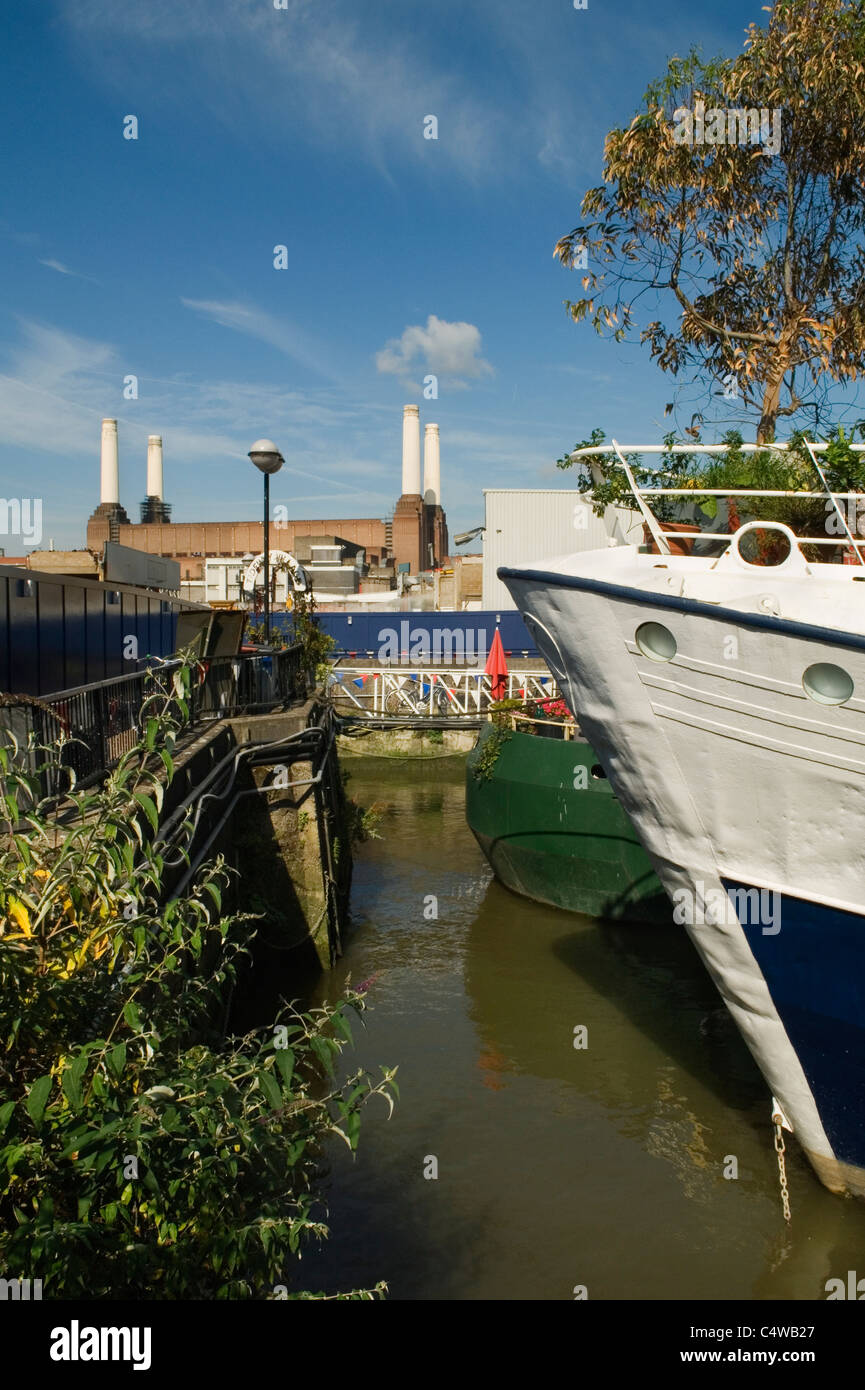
{"x": 6, "y": 1114}
{"x": 132, "y": 1016}
{"x": 285, "y": 1064}
{"x": 270, "y": 1087}
{"x": 150, "y": 736}
{"x": 214, "y": 892}
{"x": 168, "y": 762}
{"x": 116, "y": 1060}
{"x": 17, "y": 1151}
{"x": 72, "y": 1077}
{"x": 148, "y": 808}
{"x": 37, "y": 1098}
{"x": 85, "y": 1143}
{"x": 352, "y": 1125}
{"x": 323, "y": 1051}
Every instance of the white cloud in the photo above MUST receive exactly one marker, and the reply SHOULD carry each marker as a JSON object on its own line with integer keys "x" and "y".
{"x": 343, "y": 78}
{"x": 450, "y": 351}
{"x": 63, "y": 269}
{"x": 341, "y": 453}
{"x": 255, "y": 323}
{"x": 48, "y": 400}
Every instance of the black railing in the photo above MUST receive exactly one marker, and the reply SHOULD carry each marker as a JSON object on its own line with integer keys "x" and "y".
{"x": 249, "y": 684}
{"x": 101, "y": 722}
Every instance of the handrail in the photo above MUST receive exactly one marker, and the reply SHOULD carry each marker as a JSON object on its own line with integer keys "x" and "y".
{"x": 656, "y": 528}
{"x": 700, "y": 448}
{"x": 109, "y": 680}
{"x": 102, "y": 720}
{"x": 650, "y": 520}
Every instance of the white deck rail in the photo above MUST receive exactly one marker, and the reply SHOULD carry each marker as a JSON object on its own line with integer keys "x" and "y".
{"x": 619, "y": 452}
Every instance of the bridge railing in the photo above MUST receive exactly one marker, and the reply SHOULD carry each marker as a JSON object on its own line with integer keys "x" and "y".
{"x": 102, "y": 721}
{"x": 432, "y": 691}
{"x": 248, "y": 684}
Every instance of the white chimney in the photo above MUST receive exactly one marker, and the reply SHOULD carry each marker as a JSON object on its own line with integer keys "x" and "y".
{"x": 431, "y": 466}
{"x": 410, "y": 450}
{"x": 154, "y": 466}
{"x": 110, "y": 483}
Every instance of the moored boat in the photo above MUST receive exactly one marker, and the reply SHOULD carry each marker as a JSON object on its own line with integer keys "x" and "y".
{"x": 726, "y": 702}
{"x": 553, "y": 830}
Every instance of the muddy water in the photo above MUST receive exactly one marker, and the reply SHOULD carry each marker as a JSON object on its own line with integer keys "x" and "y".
{"x": 601, "y": 1166}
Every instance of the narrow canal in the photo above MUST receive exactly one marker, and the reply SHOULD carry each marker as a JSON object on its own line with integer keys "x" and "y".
{"x": 600, "y": 1166}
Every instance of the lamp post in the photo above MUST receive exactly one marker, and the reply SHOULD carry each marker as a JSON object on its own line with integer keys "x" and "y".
{"x": 268, "y": 459}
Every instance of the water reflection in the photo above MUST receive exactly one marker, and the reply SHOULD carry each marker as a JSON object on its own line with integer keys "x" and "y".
{"x": 558, "y": 1166}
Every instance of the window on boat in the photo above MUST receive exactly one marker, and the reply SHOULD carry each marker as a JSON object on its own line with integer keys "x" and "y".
{"x": 827, "y": 684}
{"x": 655, "y": 641}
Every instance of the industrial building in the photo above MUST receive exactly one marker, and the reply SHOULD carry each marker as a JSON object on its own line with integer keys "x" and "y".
{"x": 332, "y": 565}
{"x": 413, "y": 538}
{"x": 526, "y": 524}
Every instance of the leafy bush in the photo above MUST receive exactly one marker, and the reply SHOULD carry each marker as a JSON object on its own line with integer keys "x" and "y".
{"x": 143, "y": 1153}
{"x": 317, "y": 644}
{"x": 490, "y": 751}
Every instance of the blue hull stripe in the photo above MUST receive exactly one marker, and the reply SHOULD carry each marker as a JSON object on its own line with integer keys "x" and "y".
{"x": 813, "y": 968}
{"x": 712, "y": 611}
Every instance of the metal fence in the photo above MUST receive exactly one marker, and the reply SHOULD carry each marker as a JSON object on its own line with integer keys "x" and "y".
{"x": 432, "y": 691}
{"x": 101, "y": 722}
{"x": 249, "y": 684}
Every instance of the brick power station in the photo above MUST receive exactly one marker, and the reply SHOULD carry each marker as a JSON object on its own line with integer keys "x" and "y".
{"x": 415, "y": 535}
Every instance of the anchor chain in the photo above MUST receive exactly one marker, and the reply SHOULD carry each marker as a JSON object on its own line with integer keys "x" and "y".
{"x": 780, "y": 1122}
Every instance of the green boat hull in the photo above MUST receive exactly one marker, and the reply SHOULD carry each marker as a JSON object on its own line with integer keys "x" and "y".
{"x": 552, "y": 830}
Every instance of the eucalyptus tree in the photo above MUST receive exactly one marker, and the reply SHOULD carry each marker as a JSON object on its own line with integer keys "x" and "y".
{"x": 734, "y": 203}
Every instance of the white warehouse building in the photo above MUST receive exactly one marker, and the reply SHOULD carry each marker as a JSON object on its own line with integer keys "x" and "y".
{"x": 526, "y": 524}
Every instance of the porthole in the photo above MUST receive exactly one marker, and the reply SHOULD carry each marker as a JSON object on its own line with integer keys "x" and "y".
{"x": 655, "y": 641}
{"x": 827, "y": 684}
{"x": 598, "y": 772}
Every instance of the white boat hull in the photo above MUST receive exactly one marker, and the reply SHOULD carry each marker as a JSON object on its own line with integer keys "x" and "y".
{"x": 737, "y": 782}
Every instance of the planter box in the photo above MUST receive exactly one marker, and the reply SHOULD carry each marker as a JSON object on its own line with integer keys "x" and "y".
{"x": 676, "y": 547}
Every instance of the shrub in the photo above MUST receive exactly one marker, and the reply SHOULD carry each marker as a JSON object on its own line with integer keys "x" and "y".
{"x": 144, "y": 1153}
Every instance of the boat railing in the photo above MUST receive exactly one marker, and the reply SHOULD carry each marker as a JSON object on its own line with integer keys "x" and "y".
{"x": 659, "y": 535}
{"x": 570, "y": 728}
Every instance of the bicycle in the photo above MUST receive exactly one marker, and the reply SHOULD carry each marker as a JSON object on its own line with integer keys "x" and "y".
{"x": 411, "y": 697}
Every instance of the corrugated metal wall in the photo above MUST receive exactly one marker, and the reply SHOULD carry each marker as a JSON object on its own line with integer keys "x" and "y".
{"x": 450, "y": 634}
{"x": 58, "y": 632}
{"x": 526, "y": 524}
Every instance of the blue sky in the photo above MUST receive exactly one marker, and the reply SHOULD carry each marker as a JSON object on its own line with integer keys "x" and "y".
{"x": 304, "y": 127}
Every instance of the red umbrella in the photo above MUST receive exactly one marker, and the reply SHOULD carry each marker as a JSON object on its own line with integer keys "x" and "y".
{"x": 497, "y": 668}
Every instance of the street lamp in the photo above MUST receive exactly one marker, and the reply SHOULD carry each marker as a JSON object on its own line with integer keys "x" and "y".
{"x": 268, "y": 459}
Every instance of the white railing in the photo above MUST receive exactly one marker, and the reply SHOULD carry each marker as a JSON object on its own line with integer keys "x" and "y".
{"x": 657, "y": 531}
{"x": 434, "y": 690}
